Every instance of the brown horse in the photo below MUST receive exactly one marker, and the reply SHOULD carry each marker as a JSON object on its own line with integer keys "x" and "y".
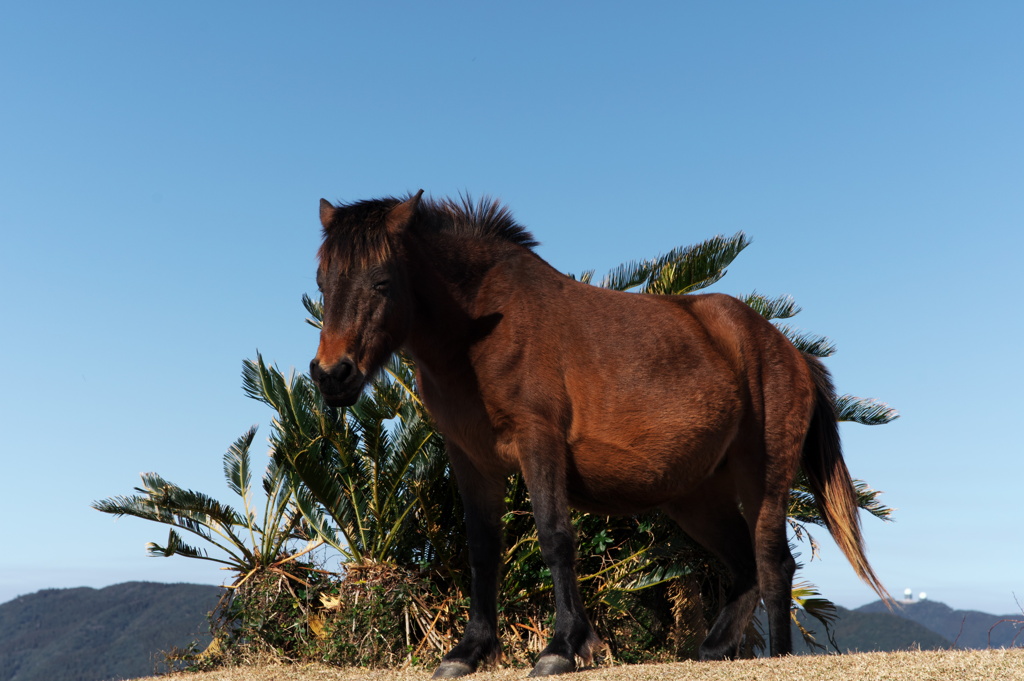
{"x": 614, "y": 403}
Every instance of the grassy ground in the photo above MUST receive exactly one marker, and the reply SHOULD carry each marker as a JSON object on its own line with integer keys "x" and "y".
{"x": 959, "y": 665}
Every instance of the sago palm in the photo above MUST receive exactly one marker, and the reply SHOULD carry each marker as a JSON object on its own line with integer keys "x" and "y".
{"x": 377, "y": 468}
{"x": 242, "y": 540}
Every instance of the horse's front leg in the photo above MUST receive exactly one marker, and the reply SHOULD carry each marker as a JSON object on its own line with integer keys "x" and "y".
{"x": 574, "y": 636}
{"x": 484, "y": 503}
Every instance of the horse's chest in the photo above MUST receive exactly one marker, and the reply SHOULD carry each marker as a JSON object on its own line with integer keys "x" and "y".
{"x": 466, "y": 422}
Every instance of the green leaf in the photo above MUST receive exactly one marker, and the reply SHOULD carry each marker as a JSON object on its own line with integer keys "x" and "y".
{"x": 807, "y": 596}
{"x": 586, "y": 277}
{"x": 652, "y": 575}
{"x": 780, "y": 307}
{"x": 237, "y": 464}
{"x": 175, "y": 545}
{"x": 819, "y": 346}
{"x": 681, "y": 270}
{"x": 867, "y": 499}
{"x": 315, "y": 309}
{"x": 696, "y": 267}
{"x": 867, "y": 411}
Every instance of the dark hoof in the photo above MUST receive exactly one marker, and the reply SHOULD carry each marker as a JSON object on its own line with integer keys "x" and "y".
{"x": 553, "y": 664}
{"x": 450, "y": 669}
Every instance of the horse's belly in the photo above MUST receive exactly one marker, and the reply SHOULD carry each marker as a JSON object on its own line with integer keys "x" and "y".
{"x": 610, "y": 478}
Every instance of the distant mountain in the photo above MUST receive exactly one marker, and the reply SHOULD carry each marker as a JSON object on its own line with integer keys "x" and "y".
{"x": 97, "y": 634}
{"x": 121, "y": 631}
{"x": 965, "y": 628}
{"x": 861, "y": 632}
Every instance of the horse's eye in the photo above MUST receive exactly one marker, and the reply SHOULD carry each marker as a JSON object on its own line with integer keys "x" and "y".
{"x": 382, "y": 286}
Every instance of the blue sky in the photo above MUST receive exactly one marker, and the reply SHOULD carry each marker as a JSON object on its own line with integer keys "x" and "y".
{"x": 161, "y": 164}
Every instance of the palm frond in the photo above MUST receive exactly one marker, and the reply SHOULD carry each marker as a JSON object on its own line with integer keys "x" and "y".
{"x": 135, "y": 506}
{"x": 617, "y": 593}
{"x": 780, "y": 307}
{"x": 818, "y": 346}
{"x": 314, "y": 514}
{"x": 265, "y": 384}
{"x": 802, "y": 506}
{"x": 237, "y": 464}
{"x": 689, "y": 269}
{"x": 188, "y": 504}
{"x": 176, "y": 546}
{"x": 628, "y": 275}
{"x": 315, "y": 308}
{"x": 806, "y": 596}
{"x": 865, "y": 410}
{"x": 648, "y": 575}
{"x": 279, "y": 511}
{"x": 252, "y": 380}
{"x": 331, "y": 484}
{"x": 402, "y": 373}
{"x": 868, "y": 500}
{"x": 162, "y": 502}
{"x": 587, "y": 276}
{"x": 681, "y": 270}
{"x": 804, "y": 509}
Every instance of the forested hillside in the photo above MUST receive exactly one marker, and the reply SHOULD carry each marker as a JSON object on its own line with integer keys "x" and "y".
{"x": 95, "y": 634}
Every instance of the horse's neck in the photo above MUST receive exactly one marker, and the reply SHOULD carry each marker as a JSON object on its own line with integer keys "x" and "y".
{"x": 449, "y": 286}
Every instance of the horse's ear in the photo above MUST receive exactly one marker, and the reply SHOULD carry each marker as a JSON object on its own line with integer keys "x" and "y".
{"x": 326, "y": 212}
{"x": 402, "y": 214}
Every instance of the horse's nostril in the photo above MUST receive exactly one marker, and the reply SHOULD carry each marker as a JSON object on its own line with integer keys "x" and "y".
{"x": 338, "y": 373}
{"x": 342, "y": 370}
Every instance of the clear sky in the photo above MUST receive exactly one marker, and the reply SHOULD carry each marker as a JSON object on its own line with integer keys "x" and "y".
{"x": 161, "y": 164}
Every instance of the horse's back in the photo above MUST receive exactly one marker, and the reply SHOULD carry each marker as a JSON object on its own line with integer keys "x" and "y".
{"x": 662, "y": 345}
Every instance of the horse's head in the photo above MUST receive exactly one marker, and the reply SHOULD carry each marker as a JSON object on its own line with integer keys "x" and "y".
{"x": 367, "y": 305}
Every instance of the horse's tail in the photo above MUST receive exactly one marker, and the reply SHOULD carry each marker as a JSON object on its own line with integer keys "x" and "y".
{"x": 830, "y": 481}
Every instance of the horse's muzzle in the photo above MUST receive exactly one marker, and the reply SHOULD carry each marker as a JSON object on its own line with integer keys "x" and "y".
{"x": 340, "y": 384}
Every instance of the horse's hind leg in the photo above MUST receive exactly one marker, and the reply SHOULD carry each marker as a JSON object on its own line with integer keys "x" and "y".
{"x": 775, "y": 569}
{"x": 787, "y": 413}
{"x": 712, "y": 518}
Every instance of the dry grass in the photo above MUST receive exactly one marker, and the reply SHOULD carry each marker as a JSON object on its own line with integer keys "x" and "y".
{"x": 957, "y": 665}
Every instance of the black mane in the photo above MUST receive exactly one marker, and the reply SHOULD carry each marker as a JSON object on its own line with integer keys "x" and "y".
{"x": 358, "y": 231}
{"x": 487, "y": 218}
